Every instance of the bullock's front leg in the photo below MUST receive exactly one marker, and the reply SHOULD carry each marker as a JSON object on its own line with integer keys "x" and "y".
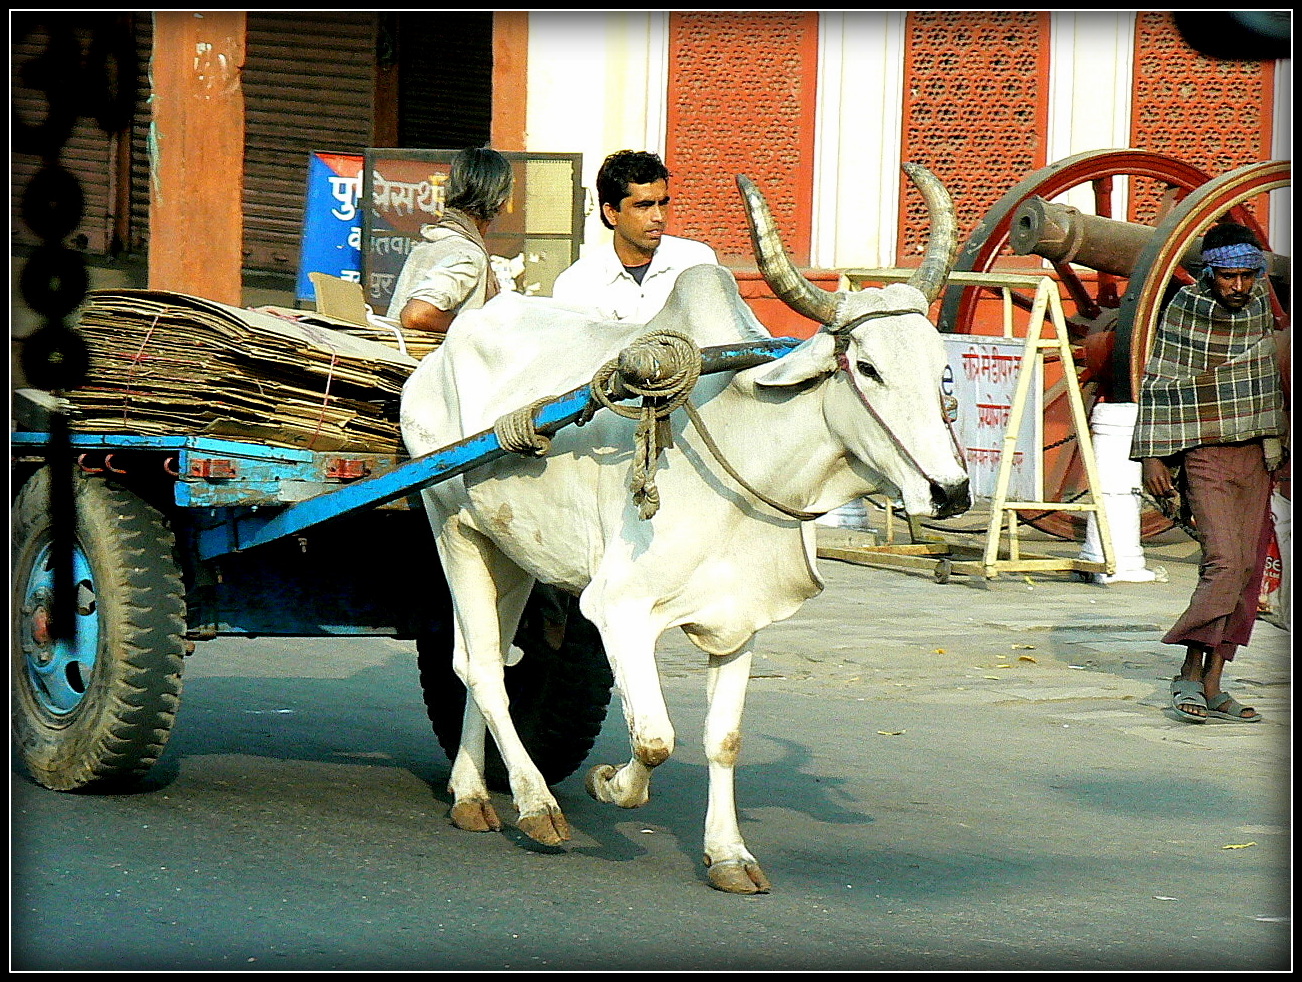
{"x": 650, "y": 732}
{"x": 730, "y": 865}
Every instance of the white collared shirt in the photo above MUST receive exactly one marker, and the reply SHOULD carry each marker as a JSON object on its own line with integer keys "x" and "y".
{"x": 600, "y": 282}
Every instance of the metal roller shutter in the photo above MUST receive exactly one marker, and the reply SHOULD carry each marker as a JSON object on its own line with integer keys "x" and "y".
{"x": 90, "y": 153}
{"x": 138, "y": 232}
{"x": 446, "y": 94}
{"x": 309, "y": 83}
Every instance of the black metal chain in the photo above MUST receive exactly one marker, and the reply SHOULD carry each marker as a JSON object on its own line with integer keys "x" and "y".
{"x": 98, "y": 83}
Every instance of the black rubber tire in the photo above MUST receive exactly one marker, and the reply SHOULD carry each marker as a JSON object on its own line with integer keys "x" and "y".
{"x": 135, "y": 598}
{"x": 559, "y": 696}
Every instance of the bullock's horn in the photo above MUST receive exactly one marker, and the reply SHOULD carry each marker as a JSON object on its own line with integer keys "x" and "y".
{"x": 942, "y": 243}
{"x": 779, "y": 271}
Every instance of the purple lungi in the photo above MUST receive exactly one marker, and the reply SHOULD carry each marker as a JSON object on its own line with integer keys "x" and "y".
{"x": 1227, "y": 488}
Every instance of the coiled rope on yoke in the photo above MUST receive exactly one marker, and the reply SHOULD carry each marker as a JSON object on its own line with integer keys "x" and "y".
{"x": 662, "y": 367}
{"x": 517, "y": 433}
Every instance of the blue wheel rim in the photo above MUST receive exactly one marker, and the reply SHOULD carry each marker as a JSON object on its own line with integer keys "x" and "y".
{"x": 59, "y": 672}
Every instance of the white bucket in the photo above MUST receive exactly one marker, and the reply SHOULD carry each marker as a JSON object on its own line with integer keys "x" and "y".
{"x": 852, "y": 515}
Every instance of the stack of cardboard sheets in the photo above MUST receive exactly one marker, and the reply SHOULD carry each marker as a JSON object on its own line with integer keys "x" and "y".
{"x": 415, "y": 343}
{"x": 168, "y": 363}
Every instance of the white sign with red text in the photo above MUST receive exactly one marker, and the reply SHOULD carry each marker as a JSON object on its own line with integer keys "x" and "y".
{"x": 982, "y": 375}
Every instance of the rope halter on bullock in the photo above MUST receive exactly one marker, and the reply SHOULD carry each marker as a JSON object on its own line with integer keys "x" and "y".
{"x": 662, "y": 367}
{"x": 836, "y": 312}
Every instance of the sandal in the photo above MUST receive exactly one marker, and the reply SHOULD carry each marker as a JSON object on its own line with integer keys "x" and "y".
{"x": 1225, "y": 706}
{"x": 1185, "y": 692}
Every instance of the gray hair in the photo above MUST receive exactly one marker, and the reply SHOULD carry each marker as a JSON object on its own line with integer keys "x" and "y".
{"x": 480, "y": 183}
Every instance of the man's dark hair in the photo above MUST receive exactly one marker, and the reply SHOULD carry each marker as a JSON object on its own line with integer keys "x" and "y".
{"x": 1229, "y": 233}
{"x": 623, "y": 168}
{"x": 480, "y": 183}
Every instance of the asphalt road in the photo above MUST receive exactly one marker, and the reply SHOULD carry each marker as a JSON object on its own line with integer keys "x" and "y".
{"x": 934, "y": 777}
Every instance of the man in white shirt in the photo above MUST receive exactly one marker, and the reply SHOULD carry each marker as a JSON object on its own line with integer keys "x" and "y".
{"x": 632, "y": 281}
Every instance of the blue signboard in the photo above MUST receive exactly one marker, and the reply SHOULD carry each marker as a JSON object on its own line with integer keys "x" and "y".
{"x": 332, "y": 222}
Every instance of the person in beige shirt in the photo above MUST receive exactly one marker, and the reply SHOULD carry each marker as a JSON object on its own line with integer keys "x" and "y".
{"x": 450, "y": 271}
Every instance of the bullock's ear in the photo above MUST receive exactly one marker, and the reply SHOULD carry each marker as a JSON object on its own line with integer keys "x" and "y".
{"x": 808, "y": 361}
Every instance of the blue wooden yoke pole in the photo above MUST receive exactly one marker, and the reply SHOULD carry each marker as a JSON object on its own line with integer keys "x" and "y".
{"x": 255, "y": 528}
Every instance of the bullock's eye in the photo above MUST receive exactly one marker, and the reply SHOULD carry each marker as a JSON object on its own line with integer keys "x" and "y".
{"x": 867, "y": 370}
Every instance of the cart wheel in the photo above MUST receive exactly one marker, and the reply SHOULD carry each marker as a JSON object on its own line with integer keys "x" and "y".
{"x": 559, "y": 695}
{"x": 95, "y": 710}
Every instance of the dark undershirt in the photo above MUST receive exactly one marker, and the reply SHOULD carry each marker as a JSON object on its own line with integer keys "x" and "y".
{"x": 637, "y": 272}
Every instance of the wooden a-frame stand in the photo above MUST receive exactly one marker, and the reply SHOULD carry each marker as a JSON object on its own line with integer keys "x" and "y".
{"x": 1047, "y": 306}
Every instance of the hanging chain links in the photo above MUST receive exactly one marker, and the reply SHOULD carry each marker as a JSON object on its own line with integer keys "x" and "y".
{"x": 98, "y": 82}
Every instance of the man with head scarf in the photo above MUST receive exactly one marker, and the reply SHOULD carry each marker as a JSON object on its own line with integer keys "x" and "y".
{"x": 1210, "y": 429}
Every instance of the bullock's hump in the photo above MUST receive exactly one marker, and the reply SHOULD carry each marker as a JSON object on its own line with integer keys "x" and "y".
{"x": 706, "y": 306}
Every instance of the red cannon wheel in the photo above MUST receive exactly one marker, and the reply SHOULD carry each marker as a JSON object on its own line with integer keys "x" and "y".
{"x": 1090, "y": 304}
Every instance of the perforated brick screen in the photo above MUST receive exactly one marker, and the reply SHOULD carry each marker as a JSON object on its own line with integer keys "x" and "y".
{"x": 1212, "y": 113}
{"x": 741, "y": 100}
{"x": 975, "y": 110}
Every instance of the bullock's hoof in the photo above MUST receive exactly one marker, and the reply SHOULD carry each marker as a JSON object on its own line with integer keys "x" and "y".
{"x": 475, "y": 816}
{"x": 549, "y": 828}
{"x": 598, "y": 777}
{"x": 602, "y": 784}
{"x": 738, "y": 876}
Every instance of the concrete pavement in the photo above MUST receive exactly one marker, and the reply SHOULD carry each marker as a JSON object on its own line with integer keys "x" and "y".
{"x": 893, "y": 633}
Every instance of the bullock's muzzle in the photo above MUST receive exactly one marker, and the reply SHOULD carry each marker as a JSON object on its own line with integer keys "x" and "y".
{"x": 952, "y": 500}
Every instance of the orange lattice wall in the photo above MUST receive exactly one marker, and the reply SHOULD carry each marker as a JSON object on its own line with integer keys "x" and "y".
{"x": 1208, "y": 112}
{"x": 741, "y": 100}
{"x": 975, "y": 110}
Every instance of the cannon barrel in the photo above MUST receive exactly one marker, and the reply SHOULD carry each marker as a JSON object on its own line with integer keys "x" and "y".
{"x": 1063, "y": 234}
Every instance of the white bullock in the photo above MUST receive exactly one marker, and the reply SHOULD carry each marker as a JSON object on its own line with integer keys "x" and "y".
{"x": 856, "y": 409}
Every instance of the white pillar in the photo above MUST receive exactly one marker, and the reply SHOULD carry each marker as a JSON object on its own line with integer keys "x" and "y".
{"x": 1112, "y": 424}
{"x": 858, "y": 129}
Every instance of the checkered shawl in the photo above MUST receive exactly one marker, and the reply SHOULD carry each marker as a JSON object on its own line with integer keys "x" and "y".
{"x": 1212, "y": 376}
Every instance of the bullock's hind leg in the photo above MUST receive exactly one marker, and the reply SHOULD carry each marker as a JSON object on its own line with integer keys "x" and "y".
{"x": 472, "y": 808}
{"x": 630, "y": 646}
{"x": 489, "y": 593}
{"x": 731, "y": 867}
